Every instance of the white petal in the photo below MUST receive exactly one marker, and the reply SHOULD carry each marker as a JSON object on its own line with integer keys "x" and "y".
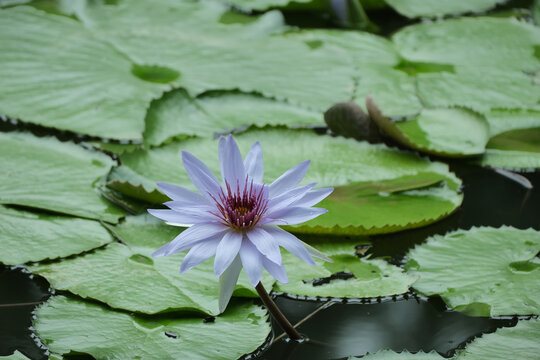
{"x": 200, "y": 252}
{"x": 191, "y": 236}
{"x": 289, "y": 197}
{"x": 254, "y": 163}
{"x": 227, "y": 283}
{"x": 289, "y": 179}
{"x": 185, "y": 217}
{"x": 265, "y": 243}
{"x": 179, "y": 193}
{"x": 226, "y": 251}
{"x": 201, "y": 176}
{"x": 291, "y": 243}
{"x": 277, "y": 271}
{"x": 251, "y": 261}
{"x": 230, "y": 161}
{"x": 292, "y": 215}
{"x": 313, "y": 197}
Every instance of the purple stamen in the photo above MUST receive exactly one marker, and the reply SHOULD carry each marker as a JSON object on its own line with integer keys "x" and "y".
{"x": 242, "y": 209}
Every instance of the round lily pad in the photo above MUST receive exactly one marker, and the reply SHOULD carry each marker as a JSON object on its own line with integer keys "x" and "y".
{"x": 482, "y": 272}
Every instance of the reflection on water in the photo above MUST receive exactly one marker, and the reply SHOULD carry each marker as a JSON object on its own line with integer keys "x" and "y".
{"x": 23, "y": 290}
{"x": 356, "y": 329}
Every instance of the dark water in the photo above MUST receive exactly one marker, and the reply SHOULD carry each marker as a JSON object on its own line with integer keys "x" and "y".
{"x": 355, "y": 328}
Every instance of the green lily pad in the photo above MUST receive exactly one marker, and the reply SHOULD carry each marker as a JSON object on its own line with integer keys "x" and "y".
{"x": 59, "y": 176}
{"x": 55, "y": 73}
{"x": 503, "y": 120}
{"x": 15, "y": 356}
{"x": 27, "y": 236}
{"x": 393, "y": 90}
{"x": 126, "y": 276}
{"x": 347, "y": 277}
{"x": 505, "y": 343}
{"x": 514, "y": 149}
{"x": 479, "y": 89}
{"x": 178, "y": 115}
{"x": 361, "y": 47}
{"x": 404, "y": 355}
{"x": 67, "y": 325}
{"x": 445, "y": 132}
{"x": 436, "y": 8}
{"x": 482, "y": 271}
{"x": 192, "y": 39}
{"x": 500, "y": 43}
{"x": 339, "y": 162}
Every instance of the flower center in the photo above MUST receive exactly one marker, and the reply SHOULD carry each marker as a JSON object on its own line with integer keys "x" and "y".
{"x": 242, "y": 209}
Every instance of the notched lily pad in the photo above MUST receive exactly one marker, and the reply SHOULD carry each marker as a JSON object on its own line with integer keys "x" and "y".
{"x": 505, "y": 343}
{"x": 27, "y": 236}
{"x": 52, "y": 175}
{"x": 482, "y": 271}
{"x": 67, "y": 325}
{"x": 119, "y": 275}
{"x": 337, "y": 162}
{"x": 347, "y": 277}
{"x": 80, "y": 83}
{"x": 452, "y": 132}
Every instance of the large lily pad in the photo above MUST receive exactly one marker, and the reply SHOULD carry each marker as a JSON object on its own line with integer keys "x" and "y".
{"x": 58, "y": 176}
{"x": 347, "y": 277}
{"x": 506, "y": 343}
{"x": 502, "y": 43}
{"x": 381, "y": 174}
{"x": 67, "y": 325}
{"x": 27, "y": 236}
{"x": 177, "y": 115}
{"x": 515, "y": 149}
{"x": 125, "y": 276}
{"x": 55, "y": 73}
{"x": 436, "y": 8}
{"x": 193, "y": 39}
{"x": 482, "y": 271}
{"x": 445, "y": 132}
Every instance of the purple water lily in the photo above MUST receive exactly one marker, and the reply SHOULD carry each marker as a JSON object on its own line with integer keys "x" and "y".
{"x": 237, "y": 220}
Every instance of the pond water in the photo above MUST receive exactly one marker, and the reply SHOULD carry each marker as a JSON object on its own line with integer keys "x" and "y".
{"x": 355, "y": 327}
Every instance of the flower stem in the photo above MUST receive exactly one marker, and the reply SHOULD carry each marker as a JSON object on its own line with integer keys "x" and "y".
{"x": 276, "y": 313}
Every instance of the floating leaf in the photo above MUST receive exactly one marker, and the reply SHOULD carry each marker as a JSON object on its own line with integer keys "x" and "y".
{"x": 393, "y": 90}
{"x": 515, "y": 149}
{"x": 59, "y": 176}
{"x": 192, "y": 38}
{"x": 506, "y": 343}
{"x": 436, "y": 8}
{"x": 404, "y": 355}
{"x": 177, "y": 114}
{"x": 55, "y": 73}
{"x": 72, "y": 326}
{"x": 482, "y": 271}
{"x": 27, "y": 236}
{"x": 446, "y": 132}
{"x": 478, "y": 89}
{"x": 361, "y": 47}
{"x": 335, "y": 162}
{"x": 15, "y": 356}
{"x": 347, "y": 277}
{"x": 128, "y": 277}
{"x": 500, "y": 43}
{"x": 503, "y": 120}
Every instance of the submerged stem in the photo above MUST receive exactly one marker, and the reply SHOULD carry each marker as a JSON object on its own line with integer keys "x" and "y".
{"x": 276, "y": 313}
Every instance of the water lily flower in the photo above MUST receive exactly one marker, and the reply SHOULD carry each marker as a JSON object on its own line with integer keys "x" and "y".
{"x": 237, "y": 220}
